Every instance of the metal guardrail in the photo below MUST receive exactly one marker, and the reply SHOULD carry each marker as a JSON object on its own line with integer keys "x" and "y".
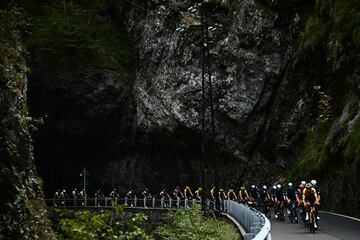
{"x": 255, "y": 224}
{"x": 128, "y": 202}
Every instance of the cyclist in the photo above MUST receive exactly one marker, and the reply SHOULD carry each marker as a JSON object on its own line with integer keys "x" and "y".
{"x": 57, "y": 198}
{"x": 222, "y": 194}
{"x": 114, "y": 193}
{"x": 83, "y": 196}
{"x": 75, "y": 193}
{"x": 243, "y": 195}
{"x": 254, "y": 192}
{"x": 177, "y": 194}
{"x": 213, "y": 193}
{"x": 146, "y": 194}
{"x": 188, "y": 193}
{"x": 317, "y": 188}
{"x": 231, "y": 195}
{"x": 99, "y": 194}
{"x": 309, "y": 198}
{"x": 83, "y": 193}
{"x": 131, "y": 194}
{"x": 279, "y": 201}
{"x": 264, "y": 200}
{"x": 164, "y": 195}
{"x": 300, "y": 202}
{"x": 291, "y": 199}
{"x": 254, "y": 196}
{"x": 63, "y": 196}
{"x": 199, "y": 193}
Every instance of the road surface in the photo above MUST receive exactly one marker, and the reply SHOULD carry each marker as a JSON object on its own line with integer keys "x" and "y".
{"x": 331, "y": 227}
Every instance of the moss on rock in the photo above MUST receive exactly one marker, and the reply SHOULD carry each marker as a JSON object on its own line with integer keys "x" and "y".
{"x": 23, "y": 214}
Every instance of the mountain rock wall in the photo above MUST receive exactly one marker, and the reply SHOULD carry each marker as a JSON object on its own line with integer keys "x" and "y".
{"x": 22, "y": 209}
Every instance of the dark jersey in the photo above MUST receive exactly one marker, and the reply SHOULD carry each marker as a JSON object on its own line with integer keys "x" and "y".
{"x": 291, "y": 193}
{"x": 146, "y": 194}
{"x": 131, "y": 194}
{"x": 254, "y": 193}
{"x": 263, "y": 194}
{"x": 273, "y": 192}
{"x": 279, "y": 194}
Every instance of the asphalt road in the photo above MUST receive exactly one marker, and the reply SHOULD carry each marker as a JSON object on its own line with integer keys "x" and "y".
{"x": 331, "y": 227}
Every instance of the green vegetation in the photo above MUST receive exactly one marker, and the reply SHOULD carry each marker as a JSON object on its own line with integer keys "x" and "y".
{"x": 81, "y": 34}
{"x": 352, "y": 150}
{"x": 12, "y": 53}
{"x": 331, "y": 32}
{"x": 105, "y": 225}
{"x": 312, "y": 158}
{"x": 336, "y": 22}
{"x": 23, "y": 215}
{"x": 182, "y": 224}
{"x": 191, "y": 224}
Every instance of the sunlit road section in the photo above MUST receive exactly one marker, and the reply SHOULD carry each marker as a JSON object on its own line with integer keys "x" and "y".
{"x": 331, "y": 227}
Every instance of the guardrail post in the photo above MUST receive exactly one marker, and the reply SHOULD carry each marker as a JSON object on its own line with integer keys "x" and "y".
{"x": 106, "y": 201}
{"x": 145, "y": 202}
{"x": 170, "y": 203}
{"x": 135, "y": 202}
{"x": 126, "y": 201}
{"x": 116, "y": 201}
{"x": 178, "y": 202}
{"x": 193, "y": 202}
{"x": 186, "y": 202}
{"x": 162, "y": 203}
{"x": 153, "y": 202}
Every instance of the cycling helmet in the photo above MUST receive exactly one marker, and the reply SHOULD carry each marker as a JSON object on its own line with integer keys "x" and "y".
{"x": 303, "y": 182}
{"x": 308, "y": 185}
{"x": 290, "y": 184}
{"x": 264, "y": 187}
{"x": 313, "y": 182}
{"x": 278, "y": 186}
{"x": 252, "y": 186}
{"x": 200, "y": 188}
{"x": 274, "y": 187}
{"x": 187, "y": 187}
{"x": 242, "y": 188}
{"x": 301, "y": 186}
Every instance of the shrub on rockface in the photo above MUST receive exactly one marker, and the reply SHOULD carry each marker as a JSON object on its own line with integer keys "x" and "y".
{"x": 352, "y": 150}
{"x": 81, "y": 34}
{"x": 335, "y": 25}
{"x": 22, "y": 211}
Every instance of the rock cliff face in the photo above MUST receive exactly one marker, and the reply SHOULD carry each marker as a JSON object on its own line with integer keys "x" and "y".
{"x": 250, "y": 53}
{"x": 251, "y": 48}
{"x": 22, "y": 210}
{"x": 271, "y": 99}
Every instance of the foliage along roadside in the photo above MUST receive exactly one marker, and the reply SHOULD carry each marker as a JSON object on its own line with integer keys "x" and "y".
{"x": 106, "y": 225}
{"x": 110, "y": 225}
{"x": 188, "y": 224}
